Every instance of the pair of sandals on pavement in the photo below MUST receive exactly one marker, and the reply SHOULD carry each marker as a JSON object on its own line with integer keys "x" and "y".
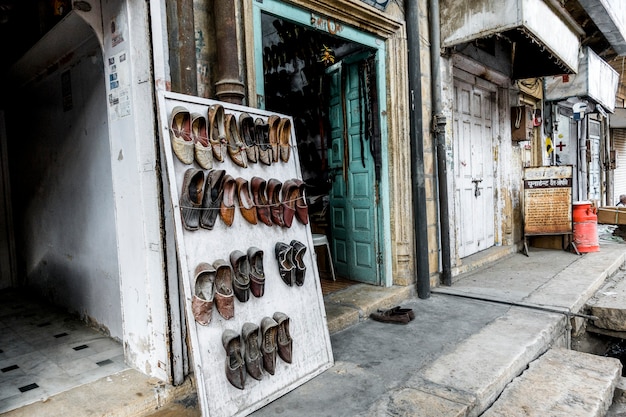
{"x": 396, "y": 315}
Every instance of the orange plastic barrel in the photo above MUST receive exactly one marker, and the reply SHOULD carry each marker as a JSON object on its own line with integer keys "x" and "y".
{"x": 585, "y": 220}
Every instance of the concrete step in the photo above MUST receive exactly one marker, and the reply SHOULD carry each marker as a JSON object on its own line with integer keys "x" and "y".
{"x": 561, "y": 383}
{"x": 608, "y": 304}
{"x": 618, "y": 408}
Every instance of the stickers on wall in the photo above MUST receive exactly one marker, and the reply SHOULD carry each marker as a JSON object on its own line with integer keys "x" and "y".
{"x": 118, "y": 85}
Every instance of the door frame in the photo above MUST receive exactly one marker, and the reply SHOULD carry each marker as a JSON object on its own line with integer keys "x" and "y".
{"x": 342, "y": 30}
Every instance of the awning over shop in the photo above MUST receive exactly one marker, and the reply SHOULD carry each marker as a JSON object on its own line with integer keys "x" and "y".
{"x": 543, "y": 42}
{"x": 610, "y": 17}
{"x": 595, "y": 80}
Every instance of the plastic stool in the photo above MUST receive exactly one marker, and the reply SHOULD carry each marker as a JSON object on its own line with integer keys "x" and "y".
{"x": 321, "y": 240}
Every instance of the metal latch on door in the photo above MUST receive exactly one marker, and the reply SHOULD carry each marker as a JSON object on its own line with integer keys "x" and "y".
{"x": 477, "y": 189}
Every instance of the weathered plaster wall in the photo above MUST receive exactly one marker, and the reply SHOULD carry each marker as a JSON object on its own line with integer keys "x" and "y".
{"x": 62, "y": 190}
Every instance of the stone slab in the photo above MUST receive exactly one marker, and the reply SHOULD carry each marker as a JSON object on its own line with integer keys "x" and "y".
{"x": 561, "y": 383}
{"x": 610, "y": 307}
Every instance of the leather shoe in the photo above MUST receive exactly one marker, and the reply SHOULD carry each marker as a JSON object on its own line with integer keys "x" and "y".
{"x": 212, "y": 200}
{"x": 261, "y": 137}
{"x": 246, "y": 203}
{"x": 257, "y": 273}
{"x": 236, "y": 148}
{"x": 283, "y": 338}
{"x": 224, "y": 289}
{"x": 180, "y": 134}
{"x": 246, "y": 132}
{"x": 284, "y": 136}
{"x": 191, "y": 198}
{"x": 273, "y": 121}
{"x": 394, "y": 315}
{"x": 286, "y": 268}
{"x": 241, "y": 275}
{"x": 298, "y": 259}
{"x": 269, "y": 329}
{"x": 273, "y": 194}
{"x": 199, "y": 135}
{"x": 235, "y": 372}
{"x": 302, "y": 209}
{"x": 260, "y": 200}
{"x": 217, "y": 131}
{"x": 202, "y": 301}
{"x": 288, "y": 202}
{"x": 227, "y": 207}
{"x": 252, "y": 355}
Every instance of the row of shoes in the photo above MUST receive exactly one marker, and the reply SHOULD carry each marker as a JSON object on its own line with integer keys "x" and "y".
{"x": 290, "y": 259}
{"x": 271, "y": 202}
{"x": 218, "y": 283}
{"x": 256, "y": 348}
{"x": 205, "y": 138}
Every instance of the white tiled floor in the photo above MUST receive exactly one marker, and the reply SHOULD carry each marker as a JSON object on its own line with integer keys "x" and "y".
{"x": 44, "y": 351}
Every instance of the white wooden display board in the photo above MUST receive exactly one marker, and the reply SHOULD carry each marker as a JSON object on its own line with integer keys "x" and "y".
{"x": 312, "y": 353}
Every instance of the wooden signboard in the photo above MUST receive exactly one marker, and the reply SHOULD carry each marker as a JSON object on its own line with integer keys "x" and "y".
{"x": 547, "y": 201}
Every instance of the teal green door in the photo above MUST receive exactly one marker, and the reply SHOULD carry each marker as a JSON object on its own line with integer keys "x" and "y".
{"x": 354, "y": 188}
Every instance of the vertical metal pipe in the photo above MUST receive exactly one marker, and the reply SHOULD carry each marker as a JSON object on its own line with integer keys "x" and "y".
{"x": 228, "y": 86}
{"x": 418, "y": 184}
{"x": 439, "y": 121}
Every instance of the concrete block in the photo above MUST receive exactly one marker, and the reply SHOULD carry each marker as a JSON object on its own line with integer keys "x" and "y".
{"x": 561, "y": 383}
{"x": 610, "y": 308}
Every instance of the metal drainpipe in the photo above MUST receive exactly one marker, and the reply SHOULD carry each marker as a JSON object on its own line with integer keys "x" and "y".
{"x": 417, "y": 152}
{"x": 439, "y": 121}
{"x": 228, "y": 86}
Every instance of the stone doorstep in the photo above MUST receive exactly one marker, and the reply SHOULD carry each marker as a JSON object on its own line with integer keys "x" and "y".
{"x": 561, "y": 383}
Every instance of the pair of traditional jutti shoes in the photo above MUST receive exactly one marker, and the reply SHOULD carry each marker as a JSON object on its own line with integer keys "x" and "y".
{"x": 218, "y": 283}
{"x": 256, "y": 348}
{"x": 290, "y": 257}
{"x": 210, "y": 138}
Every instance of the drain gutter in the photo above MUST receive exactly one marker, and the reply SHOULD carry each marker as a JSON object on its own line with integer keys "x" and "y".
{"x": 439, "y": 128}
{"x": 418, "y": 183}
{"x": 567, "y": 312}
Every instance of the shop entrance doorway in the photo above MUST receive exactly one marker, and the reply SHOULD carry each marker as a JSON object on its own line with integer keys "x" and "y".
{"x": 329, "y": 84}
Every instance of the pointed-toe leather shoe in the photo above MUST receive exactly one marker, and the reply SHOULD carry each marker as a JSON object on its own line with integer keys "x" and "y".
{"x": 227, "y": 207}
{"x": 261, "y": 136}
{"x": 288, "y": 201}
{"x": 180, "y": 134}
{"x": 202, "y": 301}
{"x": 284, "y": 138}
{"x": 283, "y": 338}
{"x": 298, "y": 259}
{"x": 252, "y": 356}
{"x": 224, "y": 300}
{"x": 199, "y": 134}
{"x": 273, "y": 121}
{"x": 247, "y": 205}
{"x": 235, "y": 366}
{"x": 259, "y": 196}
{"x": 284, "y": 257}
{"x": 212, "y": 199}
{"x": 191, "y": 198}
{"x": 217, "y": 131}
{"x": 257, "y": 272}
{"x": 302, "y": 209}
{"x": 241, "y": 275}
{"x": 246, "y": 132}
{"x": 269, "y": 328}
{"x": 273, "y": 194}
{"x": 236, "y": 148}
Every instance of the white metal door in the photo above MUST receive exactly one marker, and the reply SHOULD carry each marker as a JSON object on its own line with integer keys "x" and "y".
{"x": 594, "y": 164}
{"x": 473, "y": 167}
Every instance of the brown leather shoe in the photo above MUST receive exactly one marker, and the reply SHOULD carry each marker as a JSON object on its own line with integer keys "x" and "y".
{"x": 246, "y": 203}
{"x": 299, "y": 249}
{"x": 273, "y": 194}
{"x": 252, "y": 355}
{"x": 273, "y": 121}
{"x": 284, "y": 138}
{"x": 302, "y": 208}
{"x": 257, "y": 272}
{"x": 246, "y": 132}
{"x": 288, "y": 201}
{"x": 283, "y": 338}
{"x": 180, "y": 134}
{"x": 191, "y": 198}
{"x": 261, "y": 137}
{"x": 260, "y": 200}
{"x": 227, "y": 207}
{"x": 224, "y": 300}
{"x": 241, "y": 275}
{"x": 199, "y": 135}
{"x": 269, "y": 328}
{"x": 217, "y": 131}
{"x": 235, "y": 366}
{"x": 212, "y": 200}
{"x": 236, "y": 148}
{"x": 202, "y": 300}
